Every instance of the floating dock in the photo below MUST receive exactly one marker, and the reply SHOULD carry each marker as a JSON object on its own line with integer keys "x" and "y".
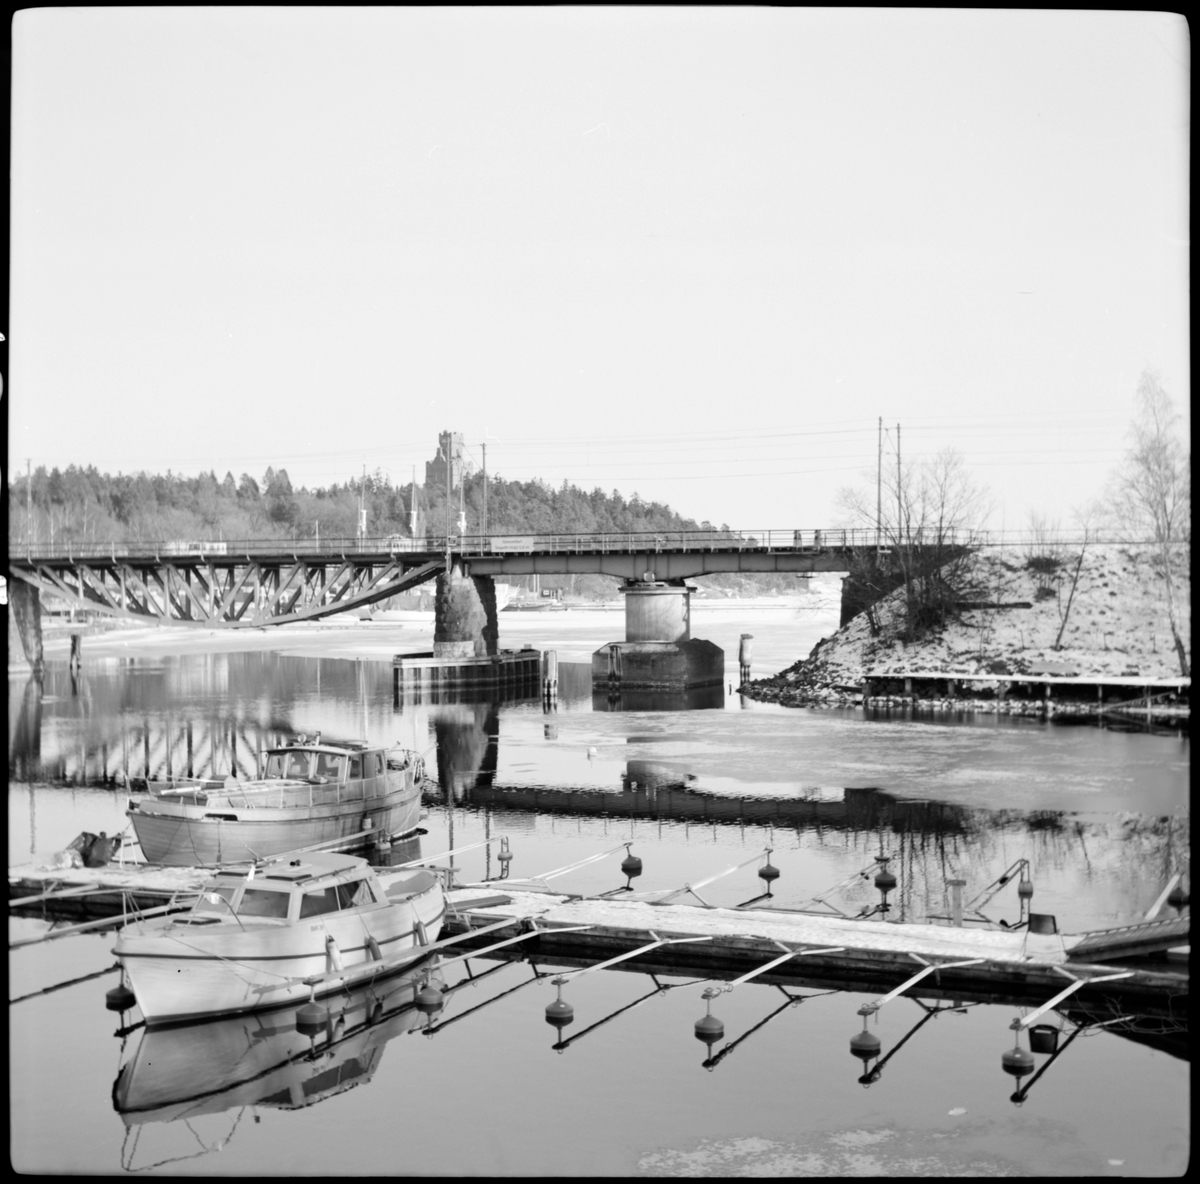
{"x": 718, "y": 941}
{"x": 1012, "y": 963}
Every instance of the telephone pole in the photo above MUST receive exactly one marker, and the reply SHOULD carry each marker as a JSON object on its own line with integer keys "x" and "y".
{"x": 879, "y": 492}
{"x": 899, "y": 480}
{"x": 483, "y": 525}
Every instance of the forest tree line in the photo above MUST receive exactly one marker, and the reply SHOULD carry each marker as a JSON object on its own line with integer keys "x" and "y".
{"x": 82, "y": 505}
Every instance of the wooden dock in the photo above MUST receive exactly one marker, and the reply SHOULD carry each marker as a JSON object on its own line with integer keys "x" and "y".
{"x": 1097, "y": 694}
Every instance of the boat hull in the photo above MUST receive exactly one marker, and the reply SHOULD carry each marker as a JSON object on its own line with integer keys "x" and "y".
{"x": 179, "y": 972}
{"x": 178, "y": 834}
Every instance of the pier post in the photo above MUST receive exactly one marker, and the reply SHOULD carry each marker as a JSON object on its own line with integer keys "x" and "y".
{"x": 550, "y": 676}
{"x": 1048, "y": 707}
{"x": 745, "y": 652}
{"x": 956, "y": 887}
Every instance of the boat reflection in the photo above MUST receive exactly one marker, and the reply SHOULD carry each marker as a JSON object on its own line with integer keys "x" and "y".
{"x": 181, "y": 1072}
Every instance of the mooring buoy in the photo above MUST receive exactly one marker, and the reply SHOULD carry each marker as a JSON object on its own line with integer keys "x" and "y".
{"x": 120, "y": 998}
{"x": 885, "y": 881}
{"x": 708, "y": 1028}
{"x": 768, "y": 873}
{"x": 1016, "y": 1060}
{"x": 429, "y": 999}
{"x": 864, "y": 1044}
{"x": 559, "y": 1013}
{"x": 631, "y": 866}
{"x": 312, "y": 1017}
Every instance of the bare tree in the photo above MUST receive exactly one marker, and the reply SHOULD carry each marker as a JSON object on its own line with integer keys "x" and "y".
{"x": 931, "y": 520}
{"x": 1150, "y": 498}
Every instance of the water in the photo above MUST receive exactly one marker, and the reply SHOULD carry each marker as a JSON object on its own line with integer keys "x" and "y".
{"x": 1101, "y": 815}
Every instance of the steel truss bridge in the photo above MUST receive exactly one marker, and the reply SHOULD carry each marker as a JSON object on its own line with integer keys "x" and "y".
{"x": 253, "y": 583}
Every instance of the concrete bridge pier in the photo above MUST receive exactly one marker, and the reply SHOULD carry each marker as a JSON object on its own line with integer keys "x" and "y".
{"x": 25, "y": 626}
{"x": 659, "y": 652}
{"x": 465, "y": 624}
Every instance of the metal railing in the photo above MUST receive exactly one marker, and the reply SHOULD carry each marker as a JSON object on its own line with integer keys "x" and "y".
{"x": 625, "y": 542}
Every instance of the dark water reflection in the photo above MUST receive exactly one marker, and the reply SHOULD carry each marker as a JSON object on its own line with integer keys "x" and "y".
{"x": 1101, "y": 815}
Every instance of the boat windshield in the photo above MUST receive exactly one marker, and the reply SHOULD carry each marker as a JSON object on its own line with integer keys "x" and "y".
{"x": 264, "y": 902}
{"x": 217, "y": 899}
{"x": 335, "y": 897}
{"x": 302, "y": 765}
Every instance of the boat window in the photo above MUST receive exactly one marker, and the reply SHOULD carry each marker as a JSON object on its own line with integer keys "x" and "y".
{"x": 275, "y": 764}
{"x": 329, "y": 766}
{"x": 298, "y": 765}
{"x": 377, "y": 761}
{"x": 355, "y": 767}
{"x": 322, "y": 900}
{"x": 263, "y": 902}
{"x": 355, "y": 894}
{"x": 217, "y": 900}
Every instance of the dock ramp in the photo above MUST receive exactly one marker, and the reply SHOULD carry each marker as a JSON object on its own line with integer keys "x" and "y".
{"x": 1128, "y": 941}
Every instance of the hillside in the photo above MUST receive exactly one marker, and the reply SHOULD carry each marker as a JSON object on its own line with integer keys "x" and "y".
{"x": 1116, "y": 625}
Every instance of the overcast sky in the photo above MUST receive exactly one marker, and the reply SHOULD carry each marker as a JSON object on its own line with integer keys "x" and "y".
{"x": 692, "y": 253}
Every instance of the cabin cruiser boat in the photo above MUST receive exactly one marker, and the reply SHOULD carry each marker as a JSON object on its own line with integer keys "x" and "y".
{"x": 311, "y": 793}
{"x": 256, "y": 935}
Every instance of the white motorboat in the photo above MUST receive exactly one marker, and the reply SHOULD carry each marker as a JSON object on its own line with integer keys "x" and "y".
{"x": 254, "y": 936}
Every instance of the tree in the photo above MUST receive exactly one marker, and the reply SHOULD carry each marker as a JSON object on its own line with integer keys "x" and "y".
{"x": 932, "y": 513}
{"x": 1150, "y": 498}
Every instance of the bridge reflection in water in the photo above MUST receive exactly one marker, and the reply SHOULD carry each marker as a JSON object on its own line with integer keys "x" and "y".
{"x": 119, "y": 734}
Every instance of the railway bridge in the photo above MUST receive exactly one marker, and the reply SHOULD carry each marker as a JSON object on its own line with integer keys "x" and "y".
{"x": 257, "y": 583}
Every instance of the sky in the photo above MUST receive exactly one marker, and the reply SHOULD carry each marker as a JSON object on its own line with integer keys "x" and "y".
{"x": 692, "y": 253}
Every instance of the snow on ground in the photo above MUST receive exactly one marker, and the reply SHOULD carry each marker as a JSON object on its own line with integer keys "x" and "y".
{"x": 1115, "y": 624}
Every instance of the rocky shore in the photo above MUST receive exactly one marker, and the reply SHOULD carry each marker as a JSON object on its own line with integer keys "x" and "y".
{"x": 1030, "y": 621}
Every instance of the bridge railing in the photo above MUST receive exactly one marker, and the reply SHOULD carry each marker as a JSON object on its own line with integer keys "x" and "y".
{"x": 476, "y": 545}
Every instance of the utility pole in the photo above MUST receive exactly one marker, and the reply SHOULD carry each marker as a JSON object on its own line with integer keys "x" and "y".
{"x": 899, "y": 481}
{"x": 879, "y": 491}
{"x": 483, "y": 525}
{"x": 28, "y": 501}
{"x": 449, "y": 511}
{"x": 362, "y": 506}
{"x": 412, "y": 505}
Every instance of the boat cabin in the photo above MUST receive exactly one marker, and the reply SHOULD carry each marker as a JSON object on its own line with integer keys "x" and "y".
{"x": 293, "y": 890}
{"x": 334, "y": 763}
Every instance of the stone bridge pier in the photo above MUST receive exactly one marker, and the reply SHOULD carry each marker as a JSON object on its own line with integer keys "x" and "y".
{"x": 24, "y": 625}
{"x": 464, "y": 623}
{"x": 659, "y": 652}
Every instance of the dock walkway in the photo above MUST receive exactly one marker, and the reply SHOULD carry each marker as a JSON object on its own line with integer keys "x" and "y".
{"x": 716, "y": 938}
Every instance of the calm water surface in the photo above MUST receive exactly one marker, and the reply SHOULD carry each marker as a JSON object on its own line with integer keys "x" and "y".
{"x": 1101, "y": 814}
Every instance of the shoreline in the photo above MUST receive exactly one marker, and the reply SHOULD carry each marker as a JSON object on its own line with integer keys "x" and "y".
{"x": 1030, "y": 708}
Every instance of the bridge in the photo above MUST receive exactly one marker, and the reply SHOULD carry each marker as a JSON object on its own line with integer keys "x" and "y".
{"x": 237, "y": 584}
{"x": 256, "y": 583}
